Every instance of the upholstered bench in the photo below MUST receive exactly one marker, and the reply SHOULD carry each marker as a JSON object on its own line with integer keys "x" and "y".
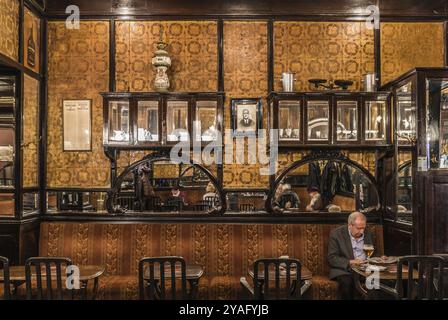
{"x": 226, "y": 251}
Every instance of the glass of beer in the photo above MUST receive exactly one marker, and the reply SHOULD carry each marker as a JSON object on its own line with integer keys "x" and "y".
{"x": 368, "y": 250}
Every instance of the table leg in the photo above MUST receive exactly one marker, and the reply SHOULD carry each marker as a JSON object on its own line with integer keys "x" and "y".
{"x": 359, "y": 287}
{"x": 194, "y": 288}
{"x": 95, "y": 288}
{"x": 84, "y": 285}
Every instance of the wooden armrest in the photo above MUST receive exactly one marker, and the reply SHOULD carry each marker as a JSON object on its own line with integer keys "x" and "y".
{"x": 247, "y": 286}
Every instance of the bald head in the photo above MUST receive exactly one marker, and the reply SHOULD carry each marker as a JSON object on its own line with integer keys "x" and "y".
{"x": 357, "y": 224}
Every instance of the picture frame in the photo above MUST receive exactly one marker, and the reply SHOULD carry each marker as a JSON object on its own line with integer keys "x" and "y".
{"x": 247, "y": 116}
{"x": 77, "y": 125}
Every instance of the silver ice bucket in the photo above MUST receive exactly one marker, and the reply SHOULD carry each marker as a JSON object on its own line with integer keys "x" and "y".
{"x": 288, "y": 81}
{"x": 369, "y": 82}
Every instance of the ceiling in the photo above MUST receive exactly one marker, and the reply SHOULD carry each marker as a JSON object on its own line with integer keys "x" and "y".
{"x": 399, "y": 8}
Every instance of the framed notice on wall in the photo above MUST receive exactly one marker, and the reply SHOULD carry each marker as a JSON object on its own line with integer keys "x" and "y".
{"x": 77, "y": 125}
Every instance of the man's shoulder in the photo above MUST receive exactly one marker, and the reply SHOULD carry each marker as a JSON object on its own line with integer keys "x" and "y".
{"x": 338, "y": 231}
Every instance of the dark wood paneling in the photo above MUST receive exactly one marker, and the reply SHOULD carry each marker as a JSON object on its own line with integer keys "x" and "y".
{"x": 397, "y": 239}
{"x": 432, "y": 8}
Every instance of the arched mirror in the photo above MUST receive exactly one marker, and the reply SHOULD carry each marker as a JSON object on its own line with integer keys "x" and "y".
{"x": 329, "y": 184}
{"x": 158, "y": 185}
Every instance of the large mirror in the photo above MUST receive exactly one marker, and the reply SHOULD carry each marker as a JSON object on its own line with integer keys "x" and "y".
{"x": 329, "y": 185}
{"x": 161, "y": 186}
{"x": 404, "y": 192}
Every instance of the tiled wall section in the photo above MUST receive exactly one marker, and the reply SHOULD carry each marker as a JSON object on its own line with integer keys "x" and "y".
{"x": 192, "y": 48}
{"x": 326, "y": 50}
{"x": 30, "y": 132}
{"x": 78, "y": 68}
{"x": 405, "y": 46}
{"x": 9, "y": 28}
{"x": 245, "y": 76}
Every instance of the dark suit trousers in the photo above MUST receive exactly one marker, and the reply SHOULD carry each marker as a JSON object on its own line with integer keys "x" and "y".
{"x": 346, "y": 286}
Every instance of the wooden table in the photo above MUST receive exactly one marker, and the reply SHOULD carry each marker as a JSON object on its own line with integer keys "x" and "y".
{"x": 86, "y": 273}
{"x": 193, "y": 275}
{"x": 360, "y": 274}
{"x": 305, "y": 275}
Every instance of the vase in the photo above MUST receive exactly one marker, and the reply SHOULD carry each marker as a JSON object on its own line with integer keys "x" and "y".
{"x": 161, "y": 61}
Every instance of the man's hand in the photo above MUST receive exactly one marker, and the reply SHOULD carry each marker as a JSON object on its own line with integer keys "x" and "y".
{"x": 356, "y": 262}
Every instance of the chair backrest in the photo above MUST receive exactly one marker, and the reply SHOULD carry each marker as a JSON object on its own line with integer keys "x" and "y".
{"x": 277, "y": 279}
{"x": 212, "y": 201}
{"x": 176, "y": 203}
{"x": 48, "y": 271}
{"x": 444, "y": 282}
{"x": 424, "y": 285}
{"x": 247, "y": 207}
{"x": 4, "y": 266}
{"x": 155, "y": 272}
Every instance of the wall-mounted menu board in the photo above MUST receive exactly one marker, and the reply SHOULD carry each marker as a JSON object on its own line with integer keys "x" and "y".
{"x": 77, "y": 125}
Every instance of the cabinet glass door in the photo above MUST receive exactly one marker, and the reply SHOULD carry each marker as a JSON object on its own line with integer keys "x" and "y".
{"x": 406, "y": 113}
{"x": 289, "y": 120}
{"x": 206, "y": 121}
{"x": 375, "y": 115}
{"x": 318, "y": 120}
{"x": 347, "y": 121}
{"x": 177, "y": 121}
{"x": 119, "y": 121}
{"x": 148, "y": 121}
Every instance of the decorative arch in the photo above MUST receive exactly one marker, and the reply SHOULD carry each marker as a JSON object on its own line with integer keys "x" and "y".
{"x": 315, "y": 156}
{"x": 157, "y": 157}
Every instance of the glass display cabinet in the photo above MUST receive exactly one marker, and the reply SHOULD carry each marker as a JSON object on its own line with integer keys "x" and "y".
{"x": 142, "y": 120}
{"x": 421, "y": 129}
{"x": 331, "y": 118}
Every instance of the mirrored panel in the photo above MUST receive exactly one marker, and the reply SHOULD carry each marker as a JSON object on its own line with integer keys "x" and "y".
{"x": 309, "y": 188}
{"x": 406, "y": 114}
{"x": 7, "y": 99}
{"x": 246, "y": 202}
{"x": 289, "y": 120}
{"x": 30, "y": 203}
{"x": 69, "y": 201}
{"x": 177, "y": 121}
{"x": 148, "y": 121}
{"x": 375, "y": 117}
{"x": 119, "y": 121}
{"x": 6, "y": 156}
{"x": 318, "y": 120}
{"x": 7, "y": 204}
{"x": 404, "y": 192}
{"x": 347, "y": 121}
{"x": 162, "y": 186}
{"x": 206, "y": 121}
{"x": 437, "y": 123}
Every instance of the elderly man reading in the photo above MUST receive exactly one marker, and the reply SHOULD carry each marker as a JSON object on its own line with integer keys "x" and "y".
{"x": 345, "y": 249}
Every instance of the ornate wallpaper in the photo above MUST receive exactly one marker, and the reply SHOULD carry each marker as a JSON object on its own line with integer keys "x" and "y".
{"x": 30, "y": 132}
{"x": 78, "y": 68}
{"x": 9, "y": 28}
{"x": 327, "y": 50}
{"x": 405, "y": 46}
{"x": 245, "y": 76}
{"x": 31, "y": 37}
{"x": 192, "y": 47}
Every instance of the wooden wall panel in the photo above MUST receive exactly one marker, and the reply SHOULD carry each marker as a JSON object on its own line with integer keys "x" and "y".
{"x": 245, "y": 76}
{"x": 405, "y": 46}
{"x": 327, "y": 50}
{"x": 192, "y": 47}
{"x": 30, "y": 132}
{"x": 31, "y": 31}
{"x": 9, "y": 28}
{"x": 78, "y": 68}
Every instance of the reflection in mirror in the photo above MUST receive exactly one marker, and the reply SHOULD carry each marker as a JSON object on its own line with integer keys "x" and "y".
{"x": 318, "y": 123}
{"x": 7, "y": 204}
{"x": 407, "y": 113}
{"x": 91, "y": 202}
{"x": 246, "y": 202}
{"x": 119, "y": 121}
{"x": 163, "y": 186}
{"x": 376, "y": 120}
{"x": 325, "y": 186}
{"x": 148, "y": 121}
{"x": 289, "y": 120}
{"x": 347, "y": 117}
{"x": 6, "y": 156}
{"x": 30, "y": 203}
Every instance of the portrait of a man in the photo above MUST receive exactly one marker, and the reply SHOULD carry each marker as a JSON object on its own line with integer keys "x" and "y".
{"x": 245, "y": 116}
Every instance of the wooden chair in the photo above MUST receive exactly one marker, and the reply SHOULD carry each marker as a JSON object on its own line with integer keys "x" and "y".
{"x": 48, "y": 271}
{"x": 280, "y": 272}
{"x": 154, "y": 271}
{"x": 212, "y": 201}
{"x": 444, "y": 282}
{"x": 247, "y": 207}
{"x": 425, "y": 286}
{"x": 4, "y": 265}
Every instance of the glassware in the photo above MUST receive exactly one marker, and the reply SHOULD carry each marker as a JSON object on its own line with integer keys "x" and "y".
{"x": 368, "y": 250}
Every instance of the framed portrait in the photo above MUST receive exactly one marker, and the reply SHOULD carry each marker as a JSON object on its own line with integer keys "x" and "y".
{"x": 77, "y": 125}
{"x": 246, "y": 116}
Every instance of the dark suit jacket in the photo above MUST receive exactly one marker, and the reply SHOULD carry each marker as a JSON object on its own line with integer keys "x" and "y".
{"x": 340, "y": 250}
